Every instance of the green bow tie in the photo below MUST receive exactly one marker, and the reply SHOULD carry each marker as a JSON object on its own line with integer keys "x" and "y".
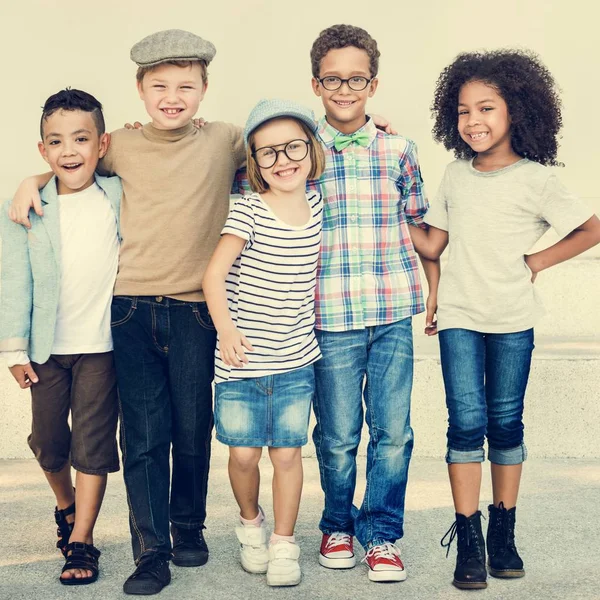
{"x": 341, "y": 141}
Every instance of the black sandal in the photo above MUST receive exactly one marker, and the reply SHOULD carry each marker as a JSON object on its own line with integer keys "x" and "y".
{"x": 64, "y": 528}
{"x": 81, "y": 556}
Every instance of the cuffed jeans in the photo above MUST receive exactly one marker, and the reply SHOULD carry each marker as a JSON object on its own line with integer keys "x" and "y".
{"x": 378, "y": 360}
{"x": 485, "y": 376}
{"x": 164, "y": 357}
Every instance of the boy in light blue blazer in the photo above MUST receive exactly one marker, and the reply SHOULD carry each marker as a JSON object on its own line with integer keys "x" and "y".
{"x": 56, "y": 288}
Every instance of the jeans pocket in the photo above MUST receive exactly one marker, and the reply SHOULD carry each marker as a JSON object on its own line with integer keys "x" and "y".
{"x": 203, "y": 316}
{"x": 121, "y": 310}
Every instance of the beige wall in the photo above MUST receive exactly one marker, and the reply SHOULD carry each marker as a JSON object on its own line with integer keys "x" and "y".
{"x": 262, "y": 51}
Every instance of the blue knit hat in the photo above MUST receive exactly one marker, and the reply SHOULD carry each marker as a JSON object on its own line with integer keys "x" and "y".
{"x": 266, "y": 110}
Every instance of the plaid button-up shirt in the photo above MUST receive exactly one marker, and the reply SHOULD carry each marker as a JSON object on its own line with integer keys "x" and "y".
{"x": 368, "y": 272}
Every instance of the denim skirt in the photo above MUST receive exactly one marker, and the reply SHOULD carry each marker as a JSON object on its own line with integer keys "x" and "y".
{"x": 265, "y": 411}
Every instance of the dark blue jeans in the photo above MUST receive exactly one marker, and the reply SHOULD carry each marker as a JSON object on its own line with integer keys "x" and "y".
{"x": 375, "y": 365}
{"x": 485, "y": 376}
{"x": 164, "y": 357}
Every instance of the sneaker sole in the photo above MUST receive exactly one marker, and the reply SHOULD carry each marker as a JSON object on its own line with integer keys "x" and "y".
{"x": 507, "y": 574}
{"x": 470, "y": 585}
{"x": 282, "y": 581}
{"x": 337, "y": 563}
{"x": 386, "y": 576}
{"x": 256, "y": 569}
{"x": 190, "y": 561}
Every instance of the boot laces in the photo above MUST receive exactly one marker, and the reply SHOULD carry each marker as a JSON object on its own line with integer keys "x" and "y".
{"x": 469, "y": 549}
{"x": 504, "y": 535}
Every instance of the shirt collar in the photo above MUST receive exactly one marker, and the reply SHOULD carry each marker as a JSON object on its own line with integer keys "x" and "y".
{"x": 327, "y": 132}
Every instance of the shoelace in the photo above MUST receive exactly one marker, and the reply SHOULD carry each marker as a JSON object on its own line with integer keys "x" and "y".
{"x": 389, "y": 551}
{"x": 452, "y": 532}
{"x": 150, "y": 565}
{"x": 187, "y": 537}
{"x": 337, "y": 539}
{"x": 504, "y": 535}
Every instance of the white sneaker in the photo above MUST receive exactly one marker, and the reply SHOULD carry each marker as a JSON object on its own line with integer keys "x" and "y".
{"x": 254, "y": 554}
{"x": 284, "y": 568}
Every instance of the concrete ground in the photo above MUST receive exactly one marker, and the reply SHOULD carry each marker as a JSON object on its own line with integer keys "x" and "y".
{"x": 558, "y": 535}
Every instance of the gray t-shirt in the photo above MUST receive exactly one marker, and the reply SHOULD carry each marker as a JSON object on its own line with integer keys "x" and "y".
{"x": 493, "y": 219}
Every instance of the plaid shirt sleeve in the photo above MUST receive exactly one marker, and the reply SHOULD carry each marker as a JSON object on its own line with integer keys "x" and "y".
{"x": 410, "y": 185}
{"x": 240, "y": 184}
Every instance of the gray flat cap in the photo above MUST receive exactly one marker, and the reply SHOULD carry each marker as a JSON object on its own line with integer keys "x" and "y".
{"x": 171, "y": 44}
{"x": 266, "y": 110}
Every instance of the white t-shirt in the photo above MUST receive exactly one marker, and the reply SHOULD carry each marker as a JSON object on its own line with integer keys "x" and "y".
{"x": 493, "y": 219}
{"x": 271, "y": 289}
{"x": 89, "y": 258}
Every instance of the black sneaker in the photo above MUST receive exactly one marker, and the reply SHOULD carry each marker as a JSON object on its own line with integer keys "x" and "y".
{"x": 503, "y": 559}
{"x": 151, "y": 576}
{"x": 470, "y": 572}
{"x": 189, "y": 547}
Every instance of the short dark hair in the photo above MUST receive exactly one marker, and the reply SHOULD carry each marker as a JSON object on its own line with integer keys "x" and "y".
{"x": 70, "y": 99}
{"x": 342, "y": 36}
{"x": 527, "y": 87}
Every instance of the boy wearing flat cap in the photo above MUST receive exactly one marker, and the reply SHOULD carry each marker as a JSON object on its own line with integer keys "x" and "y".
{"x": 176, "y": 184}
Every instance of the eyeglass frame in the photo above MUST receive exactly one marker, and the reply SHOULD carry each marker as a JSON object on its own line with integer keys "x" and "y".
{"x": 345, "y": 81}
{"x": 284, "y": 150}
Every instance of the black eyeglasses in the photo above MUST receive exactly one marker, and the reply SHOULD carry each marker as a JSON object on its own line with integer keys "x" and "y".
{"x": 356, "y": 84}
{"x": 295, "y": 150}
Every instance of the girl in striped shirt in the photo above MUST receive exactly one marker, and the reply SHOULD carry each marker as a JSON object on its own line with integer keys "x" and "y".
{"x": 259, "y": 286}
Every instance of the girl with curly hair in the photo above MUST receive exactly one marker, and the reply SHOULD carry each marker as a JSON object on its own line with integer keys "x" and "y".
{"x": 499, "y": 112}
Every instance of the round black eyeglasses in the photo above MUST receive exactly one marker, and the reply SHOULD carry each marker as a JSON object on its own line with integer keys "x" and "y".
{"x": 356, "y": 84}
{"x": 295, "y": 150}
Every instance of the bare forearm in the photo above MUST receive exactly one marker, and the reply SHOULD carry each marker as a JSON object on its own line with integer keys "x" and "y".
{"x": 42, "y": 179}
{"x": 581, "y": 239}
{"x": 216, "y": 299}
{"x": 432, "y": 273}
{"x": 429, "y": 243}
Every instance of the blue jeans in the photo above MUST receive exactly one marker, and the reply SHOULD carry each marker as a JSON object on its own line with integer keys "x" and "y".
{"x": 164, "y": 357}
{"x": 376, "y": 361}
{"x": 485, "y": 376}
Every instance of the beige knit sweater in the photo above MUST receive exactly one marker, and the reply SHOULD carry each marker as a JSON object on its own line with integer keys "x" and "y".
{"x": 176, "y": 188}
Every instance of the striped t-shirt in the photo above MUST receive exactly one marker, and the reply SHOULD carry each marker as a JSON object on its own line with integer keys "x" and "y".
{"x": 271, "y": 289}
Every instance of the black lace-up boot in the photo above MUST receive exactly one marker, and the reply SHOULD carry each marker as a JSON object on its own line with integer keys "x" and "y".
{"x": 504, "y": 560}
{"x": 470, "y": 572}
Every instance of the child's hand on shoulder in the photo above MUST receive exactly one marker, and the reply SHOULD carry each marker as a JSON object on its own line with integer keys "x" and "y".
{"x": 232, "y": 343}
{"x": 24, "y": 375}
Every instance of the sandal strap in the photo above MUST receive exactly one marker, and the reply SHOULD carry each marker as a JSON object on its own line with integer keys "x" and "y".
{"x": 60, "y": 514}
{"x": 82, "y": 556}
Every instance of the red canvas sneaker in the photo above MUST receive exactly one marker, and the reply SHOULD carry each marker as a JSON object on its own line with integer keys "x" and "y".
{"x": 337, "y": 551}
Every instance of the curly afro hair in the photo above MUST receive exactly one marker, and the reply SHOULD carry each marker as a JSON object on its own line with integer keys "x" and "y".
{"x": 342, "y": 36}
{"x": 527, "y": 87}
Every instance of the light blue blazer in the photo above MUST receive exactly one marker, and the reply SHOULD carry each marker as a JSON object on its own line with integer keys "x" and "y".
{"x": 30, "y": 273}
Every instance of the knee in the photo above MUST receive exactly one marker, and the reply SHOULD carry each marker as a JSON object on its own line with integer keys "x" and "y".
{"x": 285, "y": 459}
{"x": 244, "y": 459}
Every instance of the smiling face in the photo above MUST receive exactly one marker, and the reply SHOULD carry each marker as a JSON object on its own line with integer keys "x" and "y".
{"x": 172, "y": 94}
{"x": 345, "y": 109}
{"x": 483, "y": 119}
{"x": 72, "y": 148}
{"x": 285, "y": 175}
